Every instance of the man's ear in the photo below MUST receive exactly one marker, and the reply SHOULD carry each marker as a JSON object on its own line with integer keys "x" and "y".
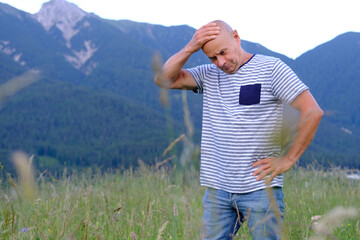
{"x": 235, "y": 34}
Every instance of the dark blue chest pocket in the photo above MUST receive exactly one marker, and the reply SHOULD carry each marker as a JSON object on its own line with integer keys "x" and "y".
{"x": 250, "y": 94}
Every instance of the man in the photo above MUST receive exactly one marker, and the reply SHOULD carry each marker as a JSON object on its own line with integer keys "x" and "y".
{"x": 242, "y": 118}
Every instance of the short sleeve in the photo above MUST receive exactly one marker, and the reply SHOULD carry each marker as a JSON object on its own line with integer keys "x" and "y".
{"x": 198, "y": 73}
{"x": 285, "y": 83}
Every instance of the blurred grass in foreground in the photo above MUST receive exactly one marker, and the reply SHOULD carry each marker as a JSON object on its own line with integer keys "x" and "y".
{"x": 18, "y": 83}
{"x": 156, "y": 204}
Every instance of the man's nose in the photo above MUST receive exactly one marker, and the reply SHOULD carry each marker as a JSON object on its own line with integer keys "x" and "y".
{"x": 221, "y": 61}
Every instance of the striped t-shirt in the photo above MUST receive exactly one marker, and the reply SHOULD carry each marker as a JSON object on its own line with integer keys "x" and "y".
{"x": 242, "y": 118}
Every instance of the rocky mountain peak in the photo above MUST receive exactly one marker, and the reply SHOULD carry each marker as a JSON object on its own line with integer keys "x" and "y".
{"x": 62, "y": 14}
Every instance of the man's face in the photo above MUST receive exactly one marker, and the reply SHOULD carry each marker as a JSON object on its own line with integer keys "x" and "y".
{"x": 224, "y": 52}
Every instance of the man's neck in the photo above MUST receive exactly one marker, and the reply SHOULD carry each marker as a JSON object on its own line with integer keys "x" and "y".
{"x": 245, "y": 58}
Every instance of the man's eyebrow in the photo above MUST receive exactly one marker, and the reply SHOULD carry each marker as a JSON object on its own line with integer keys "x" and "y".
{"x": 219, "y": 53}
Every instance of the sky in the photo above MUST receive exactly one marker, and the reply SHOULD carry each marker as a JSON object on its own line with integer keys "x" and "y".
{"x": 289, "y": 27}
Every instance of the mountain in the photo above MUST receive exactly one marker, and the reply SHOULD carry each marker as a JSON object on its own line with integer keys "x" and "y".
{"x": 65, "y": 114}
{"x": 332, "y": 71}
{"x": 24, "y": 40}
{"x": 338, "y": 72}
{"x": 95, "y": 102}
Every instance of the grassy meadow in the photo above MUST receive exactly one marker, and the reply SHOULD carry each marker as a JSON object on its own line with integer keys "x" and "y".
{"x": 150, "y": 203}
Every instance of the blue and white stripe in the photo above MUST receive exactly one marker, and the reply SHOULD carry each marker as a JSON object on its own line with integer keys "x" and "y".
{"x": 234, "y": 135}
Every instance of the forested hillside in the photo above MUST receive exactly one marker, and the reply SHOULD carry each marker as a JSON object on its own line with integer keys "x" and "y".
{"x": 63, "y": 124}
{"x": 332, "y": 71}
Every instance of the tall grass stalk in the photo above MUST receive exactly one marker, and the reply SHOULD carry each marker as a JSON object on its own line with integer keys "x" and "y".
{"x": 146, "y": 202}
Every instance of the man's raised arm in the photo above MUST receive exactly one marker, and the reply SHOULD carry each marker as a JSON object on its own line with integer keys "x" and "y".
{"x": 173, "y": 75}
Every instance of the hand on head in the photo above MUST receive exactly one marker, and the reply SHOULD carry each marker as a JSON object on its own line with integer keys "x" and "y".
{"x": 202, "y": 35}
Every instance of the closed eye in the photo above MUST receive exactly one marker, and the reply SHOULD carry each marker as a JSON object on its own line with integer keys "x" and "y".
{"x": 223, "y": 52}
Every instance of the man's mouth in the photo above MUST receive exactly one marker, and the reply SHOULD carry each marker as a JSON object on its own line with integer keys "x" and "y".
{"x": 225, "y": 67}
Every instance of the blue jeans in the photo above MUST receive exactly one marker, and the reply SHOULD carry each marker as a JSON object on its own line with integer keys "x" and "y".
{"x": 225, "y": 212}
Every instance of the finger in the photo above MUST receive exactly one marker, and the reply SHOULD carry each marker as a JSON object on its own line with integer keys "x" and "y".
{"x": 209, "y": 30}
{"x": 271, "y": 177}
{"x": 259, "y": 170}
{"x": 263, "y": 168}
{"x": 264, "y": 165}
{"x": 263, "y": 174}
{"x": 206, "y": 35}
{"x": 209, "y": 35}
{"x": 210, "y": 25}
{"x": 259, "y": 162}
{"x": 265, "y": 160}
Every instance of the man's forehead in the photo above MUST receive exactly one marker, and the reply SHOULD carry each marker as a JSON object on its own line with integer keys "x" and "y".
{"x": 215, "y": 46}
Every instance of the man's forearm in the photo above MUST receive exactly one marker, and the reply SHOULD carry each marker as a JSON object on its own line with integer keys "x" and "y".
{"x": 172, "y": 68}
{"x": 308, "y": 124}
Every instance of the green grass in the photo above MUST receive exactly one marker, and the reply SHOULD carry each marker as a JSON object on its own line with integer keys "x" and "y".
{"x": 113, "y": 205}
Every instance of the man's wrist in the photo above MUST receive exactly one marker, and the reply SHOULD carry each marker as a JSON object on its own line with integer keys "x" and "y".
{"x": 291, "y": 159}
{"x": 189, "y": 50}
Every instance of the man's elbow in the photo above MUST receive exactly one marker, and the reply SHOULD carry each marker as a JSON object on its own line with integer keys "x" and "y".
{"x": 313, "y": 114}
{"x": 317, "y": 114}
{"x": 159, "y": 80}
{"x": 321, "y": 113}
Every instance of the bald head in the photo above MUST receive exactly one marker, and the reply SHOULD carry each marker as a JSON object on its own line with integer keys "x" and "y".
{"x": 225, "y": 31}
{"x": 224, "y": 27}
